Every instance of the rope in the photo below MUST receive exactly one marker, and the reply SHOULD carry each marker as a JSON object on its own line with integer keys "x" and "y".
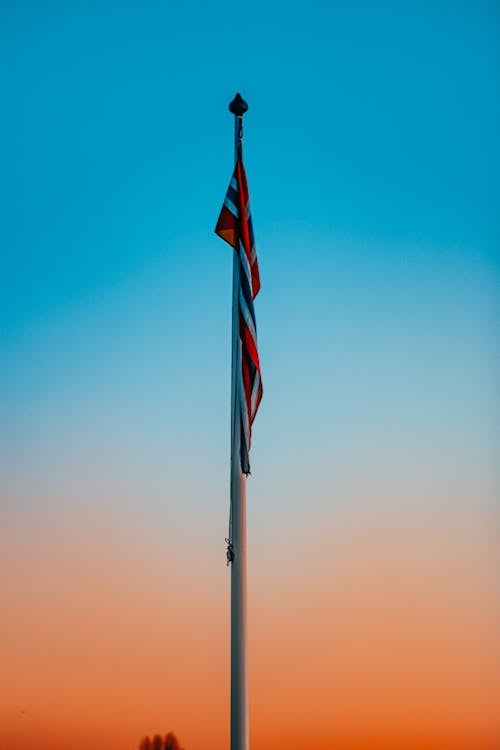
{"x": 229, "y": 538}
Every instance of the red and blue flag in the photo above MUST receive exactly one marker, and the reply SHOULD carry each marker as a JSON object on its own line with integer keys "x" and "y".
{"x": 235, "y": 227}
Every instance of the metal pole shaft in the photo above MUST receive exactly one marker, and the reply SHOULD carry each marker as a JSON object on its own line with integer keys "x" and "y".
{"x": 239, "y": 691}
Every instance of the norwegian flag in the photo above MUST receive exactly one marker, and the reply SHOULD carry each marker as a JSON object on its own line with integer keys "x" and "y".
{"x": 235, "y": 227}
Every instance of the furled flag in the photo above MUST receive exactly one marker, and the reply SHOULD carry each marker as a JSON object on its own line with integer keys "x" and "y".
{"x": 235, "y": 227}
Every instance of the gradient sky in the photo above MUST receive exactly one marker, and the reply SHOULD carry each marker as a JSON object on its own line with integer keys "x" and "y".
{"x": 371, "y": 148}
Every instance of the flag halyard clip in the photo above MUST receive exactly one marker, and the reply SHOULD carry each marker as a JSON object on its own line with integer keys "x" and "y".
{"x": 229, "y": 552}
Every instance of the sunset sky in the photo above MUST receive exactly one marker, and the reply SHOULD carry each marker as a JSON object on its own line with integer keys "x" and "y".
{"x": 372, "y": 155}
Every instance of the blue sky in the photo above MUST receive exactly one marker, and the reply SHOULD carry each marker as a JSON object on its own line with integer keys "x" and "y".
{"x": 372, "y": 154}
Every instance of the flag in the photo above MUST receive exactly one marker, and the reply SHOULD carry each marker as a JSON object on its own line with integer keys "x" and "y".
{"x": 235, "y": 227}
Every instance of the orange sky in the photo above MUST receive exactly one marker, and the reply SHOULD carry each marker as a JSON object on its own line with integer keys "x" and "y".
{"x": 373, "y": 639}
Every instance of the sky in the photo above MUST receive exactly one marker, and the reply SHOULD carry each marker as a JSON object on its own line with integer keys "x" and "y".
{"x": 372, "y": 155}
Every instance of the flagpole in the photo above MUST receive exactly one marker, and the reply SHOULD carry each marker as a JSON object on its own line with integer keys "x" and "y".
{"x": 237, "y": 532}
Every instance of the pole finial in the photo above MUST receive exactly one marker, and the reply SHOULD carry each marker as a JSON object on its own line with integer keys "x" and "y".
{"x": 238, "y": 106}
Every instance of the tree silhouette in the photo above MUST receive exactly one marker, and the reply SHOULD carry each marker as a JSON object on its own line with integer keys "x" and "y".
{"x": 171, "y": 742}
{"x": 158, "y": 743}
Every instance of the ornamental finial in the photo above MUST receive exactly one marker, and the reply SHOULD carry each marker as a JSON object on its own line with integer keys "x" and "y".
{"x": 238, "y": 106}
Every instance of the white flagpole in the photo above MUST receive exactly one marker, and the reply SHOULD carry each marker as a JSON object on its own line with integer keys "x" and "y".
{"x": 237, "y": 532}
